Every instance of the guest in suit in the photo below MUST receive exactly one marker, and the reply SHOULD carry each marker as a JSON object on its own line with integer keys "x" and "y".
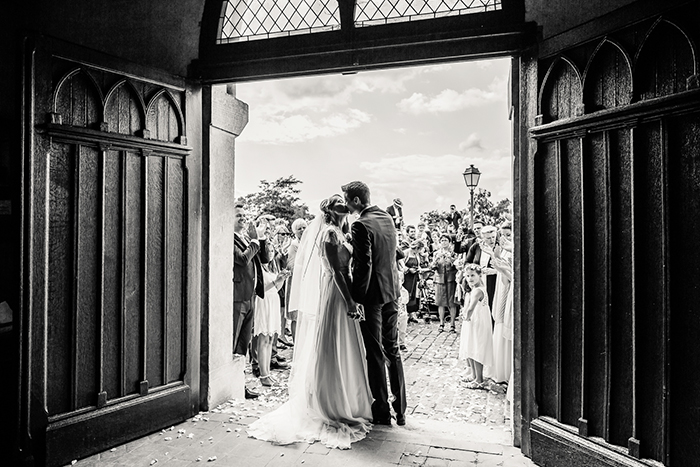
{"x": 454, "y": 217}
{"x": 396, "y": 212}
{"x": 477, "y": 255}
{"x": 249, "y": 252}
{"x": 374, "y": 287}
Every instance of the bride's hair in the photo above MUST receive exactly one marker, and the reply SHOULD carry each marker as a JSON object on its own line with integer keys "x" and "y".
{"x": 331, "y": 216}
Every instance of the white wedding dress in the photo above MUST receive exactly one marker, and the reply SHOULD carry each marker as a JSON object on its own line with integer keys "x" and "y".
{"x": 329, "y": 396}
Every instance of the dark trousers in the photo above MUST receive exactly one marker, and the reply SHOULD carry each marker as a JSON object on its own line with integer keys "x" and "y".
{"x": 243, "y": 313}
{"x": 381, "y": 336}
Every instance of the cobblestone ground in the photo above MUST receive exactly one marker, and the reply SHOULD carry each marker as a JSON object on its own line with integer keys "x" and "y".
{"x": 448, "y": 425}
{"x": 433, "y": 374}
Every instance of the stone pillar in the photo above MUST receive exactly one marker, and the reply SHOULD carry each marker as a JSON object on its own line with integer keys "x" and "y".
{"x": 224, "y": 118}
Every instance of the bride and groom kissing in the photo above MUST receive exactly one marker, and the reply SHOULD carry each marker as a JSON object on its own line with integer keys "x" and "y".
{"x": 347, "y": 336}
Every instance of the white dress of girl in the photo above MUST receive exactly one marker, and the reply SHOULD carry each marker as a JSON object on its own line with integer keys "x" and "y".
{"x": 475, "y": 340}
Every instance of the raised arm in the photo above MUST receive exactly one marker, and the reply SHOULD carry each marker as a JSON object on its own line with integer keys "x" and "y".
{"x": 362, "y": 261}
{"x": 243, "y": 257}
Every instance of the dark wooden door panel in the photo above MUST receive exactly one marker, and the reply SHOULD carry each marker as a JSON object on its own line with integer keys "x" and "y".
{"x": 114, "y": 272}
{"x": 684, "y": 277}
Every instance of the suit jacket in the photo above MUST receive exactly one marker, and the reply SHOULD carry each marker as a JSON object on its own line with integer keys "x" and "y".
{"x": 396, "y": 214}
{"x": 374, "y": 258}
{"x": 474, "y": 254}
{"x": 247, "y": 268}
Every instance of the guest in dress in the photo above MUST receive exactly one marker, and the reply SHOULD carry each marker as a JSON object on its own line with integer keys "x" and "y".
{"x": 412, "y": 263}
{"x": 298, "y": 228}
{"x": 445, "y": 280}
{"x": 267, "y": 321}
{"x": 502, "y": 347}
{"x": 475, "y": 344}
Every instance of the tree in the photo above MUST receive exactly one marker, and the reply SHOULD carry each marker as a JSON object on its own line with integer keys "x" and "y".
{"x": 486, "y": 211}
{"x": 279, "y": 198}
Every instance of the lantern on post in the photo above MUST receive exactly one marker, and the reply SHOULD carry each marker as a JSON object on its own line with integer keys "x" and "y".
{"x": 471, "y": 178}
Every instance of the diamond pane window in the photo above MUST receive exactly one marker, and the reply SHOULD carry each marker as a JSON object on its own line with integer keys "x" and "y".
{"x": 371, "y": 12}
{"x": 245, "y": 20}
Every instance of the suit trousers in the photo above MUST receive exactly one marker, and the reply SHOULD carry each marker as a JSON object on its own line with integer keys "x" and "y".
{"x": 243, "y": 313}
{"x": 380, "y": 334}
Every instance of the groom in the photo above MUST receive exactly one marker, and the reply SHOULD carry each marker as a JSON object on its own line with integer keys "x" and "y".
{"x": 374, "y": 287}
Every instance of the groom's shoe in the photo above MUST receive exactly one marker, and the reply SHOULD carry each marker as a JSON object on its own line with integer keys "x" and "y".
{"x": 277, "y": 365}
{"x": 250, "y": 394}
{"x": 382, "y": 421}
{"x": 400, "y": 419}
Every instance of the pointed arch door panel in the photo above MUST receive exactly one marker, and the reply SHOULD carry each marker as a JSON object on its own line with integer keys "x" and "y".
{"x": 616, "y": 190}
{"x": 111, "y": 341}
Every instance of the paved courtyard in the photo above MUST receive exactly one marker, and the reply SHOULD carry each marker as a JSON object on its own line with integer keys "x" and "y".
{"x": 447, "y": 424}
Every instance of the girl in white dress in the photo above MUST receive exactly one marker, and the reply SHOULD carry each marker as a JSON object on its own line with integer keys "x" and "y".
{"x": 476, "y": 345}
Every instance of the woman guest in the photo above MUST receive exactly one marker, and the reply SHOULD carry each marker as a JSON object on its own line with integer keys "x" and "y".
{"x": 445, "y": 280}
{"x": 267, "y": 321}
{"x": 298, "y": 228}
{"x": 412, "y": 263}
{"x": 502, "y": 343}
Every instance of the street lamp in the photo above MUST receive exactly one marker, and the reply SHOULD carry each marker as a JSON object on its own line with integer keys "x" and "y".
{"x": 471, "y": 178}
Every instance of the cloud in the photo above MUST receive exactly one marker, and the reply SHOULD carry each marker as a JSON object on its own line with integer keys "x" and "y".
{"x": 425, "y": 182}
{"x": 298, "y": 128}
{"x": 473, "y": 141}
{"x": 449, "y": 100}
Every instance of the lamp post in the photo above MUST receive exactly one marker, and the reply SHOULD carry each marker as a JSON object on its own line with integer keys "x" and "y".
{"x": 471, "y": 178}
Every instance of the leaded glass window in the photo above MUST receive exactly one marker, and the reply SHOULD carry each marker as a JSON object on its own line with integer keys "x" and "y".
{"x": 244, "y": 20}
{"x": 371, "y": 12}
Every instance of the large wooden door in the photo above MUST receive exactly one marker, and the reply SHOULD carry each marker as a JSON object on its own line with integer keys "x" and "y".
{"x": 107, "y": 257}
{"x": 614, "y": 193}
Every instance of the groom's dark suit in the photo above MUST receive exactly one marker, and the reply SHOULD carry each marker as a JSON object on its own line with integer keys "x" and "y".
{"x": 373, "y": 285}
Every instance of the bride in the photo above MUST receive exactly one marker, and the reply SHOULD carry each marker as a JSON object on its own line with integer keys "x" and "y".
{"x": 329, "y": 396}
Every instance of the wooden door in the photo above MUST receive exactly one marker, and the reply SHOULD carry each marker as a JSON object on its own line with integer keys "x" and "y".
{"x": 112, "y": 354}
{"x": 615, "y": 193}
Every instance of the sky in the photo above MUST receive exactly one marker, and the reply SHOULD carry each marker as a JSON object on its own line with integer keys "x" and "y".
{"x": 408, "y": 133}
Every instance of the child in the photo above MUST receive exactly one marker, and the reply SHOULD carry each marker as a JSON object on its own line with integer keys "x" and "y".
{"x": 476, "y": 344}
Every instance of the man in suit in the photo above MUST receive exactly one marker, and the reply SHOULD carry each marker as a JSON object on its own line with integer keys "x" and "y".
{"x": 396, "y": 212}
{"x": 249, "y": 252}
{"x": 374, "y": 288}
{"x": 454, "y": 217}
{"x": 477, "y": 255}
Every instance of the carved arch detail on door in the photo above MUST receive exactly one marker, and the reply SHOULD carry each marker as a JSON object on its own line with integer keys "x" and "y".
{"x": 665, "y": 62}
{"x": 78, "y": 100}
{"x": 125, "y": 110}
{"x": 561, "y": 95}
{"x": 607, "y": 79}
{"x": 164, "y": 118}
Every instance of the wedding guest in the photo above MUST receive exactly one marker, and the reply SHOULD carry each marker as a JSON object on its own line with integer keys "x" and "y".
{"x": 502, "y": 340}
{"x": 478, "y": 225}
{"x": 480, "y": 253}
{"x": 249, "y": 252}
{"x": 267, "y": 321}
{"x": 454, "y": 217}
{"x": 412, "y": 262}
{"x": 475, "y": 344}
{"x": 298, "y": 229}
{"x": 401, "y": 300}
{"x": 396, "y": 212}
{"x": 282, "y": 244}
{"x": 445, "y": 281}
